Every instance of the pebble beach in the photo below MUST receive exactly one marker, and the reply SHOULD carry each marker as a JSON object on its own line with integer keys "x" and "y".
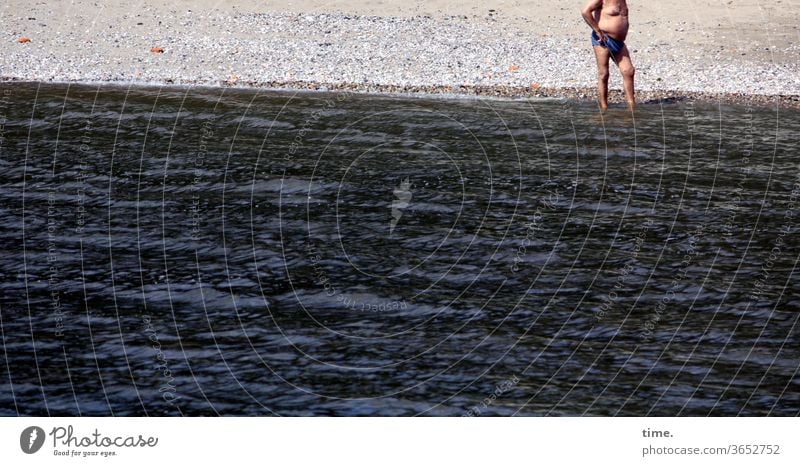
{"x": 491, "y": 50}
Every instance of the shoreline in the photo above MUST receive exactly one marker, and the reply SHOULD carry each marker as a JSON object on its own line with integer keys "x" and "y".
{"x": 493, "y": 48}
{"x": 583, "y": 95}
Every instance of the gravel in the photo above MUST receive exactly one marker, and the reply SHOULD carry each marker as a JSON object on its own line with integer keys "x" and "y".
{"x": 374, "y": 54}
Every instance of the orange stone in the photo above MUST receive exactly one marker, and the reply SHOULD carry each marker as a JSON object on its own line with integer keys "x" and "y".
{"x": 535, "y": 86}
{"x": 22, "y": 40}
{"x": 513, "y": 68}
{"x": 157, "y": 50}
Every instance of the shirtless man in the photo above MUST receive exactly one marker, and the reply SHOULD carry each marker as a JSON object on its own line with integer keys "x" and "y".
{"x": 609, "y": 22}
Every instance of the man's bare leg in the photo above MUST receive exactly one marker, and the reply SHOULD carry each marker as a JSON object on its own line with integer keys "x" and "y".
{"x": 623, "y": 59}
{"x": 602, "y": 54}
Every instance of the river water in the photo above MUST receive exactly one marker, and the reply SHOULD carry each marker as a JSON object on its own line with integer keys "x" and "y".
{"x": 187, "y": 251}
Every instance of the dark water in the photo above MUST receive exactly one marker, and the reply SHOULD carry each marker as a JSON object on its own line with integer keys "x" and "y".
{"x": 202, "y": 252}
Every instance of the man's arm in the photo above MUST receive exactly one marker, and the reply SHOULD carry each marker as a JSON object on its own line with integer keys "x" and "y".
{"x": 588, "y": 15}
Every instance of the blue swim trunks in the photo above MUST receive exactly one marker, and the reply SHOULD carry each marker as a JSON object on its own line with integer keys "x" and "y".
{"x": 614, "y": 45}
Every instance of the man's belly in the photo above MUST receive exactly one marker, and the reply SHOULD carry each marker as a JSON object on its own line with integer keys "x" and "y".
{"x": 614, "y": 26}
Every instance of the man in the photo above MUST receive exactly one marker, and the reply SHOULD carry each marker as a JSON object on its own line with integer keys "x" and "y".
{"x": 609, "y": 22}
